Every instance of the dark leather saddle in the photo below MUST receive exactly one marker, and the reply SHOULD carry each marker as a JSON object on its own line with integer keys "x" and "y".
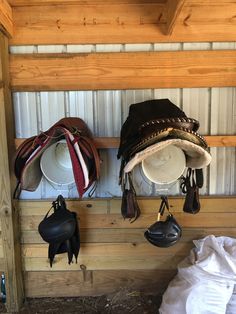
{"x": 78, "y": 138}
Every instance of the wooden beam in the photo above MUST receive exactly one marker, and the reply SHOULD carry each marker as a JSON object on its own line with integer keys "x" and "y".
{"x": 127, "y": 70}
{"x": 221, "y": 140}
{"x": 126, "y": 235}
{"x": 120, "y": 21}
{"x": 97, "y": 206}
{"x": 112, "y": 21}
{"x": 100, "y": 142}
{"x": 173, "y": 9}
{"x": 6, "y": 23}
{"x": 49, "y": 284}
{"x": 20, "y": 3}
{"x": 113, "y": 142}
{"x": 8, "y": 211}
{"x": 212, "y": 214}
{"x": 116, "y": 221}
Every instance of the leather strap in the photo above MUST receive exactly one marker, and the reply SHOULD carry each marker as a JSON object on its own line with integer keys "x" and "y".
{"x": 129, "y": 205}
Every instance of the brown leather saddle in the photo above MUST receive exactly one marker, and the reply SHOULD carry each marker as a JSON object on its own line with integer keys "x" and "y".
{"x": 78, "y": 138}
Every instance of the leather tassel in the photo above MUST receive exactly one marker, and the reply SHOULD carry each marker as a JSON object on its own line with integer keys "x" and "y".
{"x": 199, "y": 178}
{"x": 191, "y": 203}
{"x": 129, "y": 205}
{"x": 190, "y": 188}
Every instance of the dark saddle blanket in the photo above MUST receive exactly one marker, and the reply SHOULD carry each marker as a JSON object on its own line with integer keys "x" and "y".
{"x": 84, "y": 155}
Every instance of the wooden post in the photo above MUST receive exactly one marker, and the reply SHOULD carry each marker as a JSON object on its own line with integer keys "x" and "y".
{"x": 8, "y": 212}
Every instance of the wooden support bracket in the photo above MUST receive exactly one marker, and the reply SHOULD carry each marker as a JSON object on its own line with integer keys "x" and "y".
{"x": 6, "y": 23}
{"x": 173, "y": 9}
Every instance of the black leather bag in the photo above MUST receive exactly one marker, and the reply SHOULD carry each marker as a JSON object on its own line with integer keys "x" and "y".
{"x": 61, "y": 231}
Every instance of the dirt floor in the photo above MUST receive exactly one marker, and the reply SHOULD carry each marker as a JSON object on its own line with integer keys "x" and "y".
{"x": 120, "y": 303}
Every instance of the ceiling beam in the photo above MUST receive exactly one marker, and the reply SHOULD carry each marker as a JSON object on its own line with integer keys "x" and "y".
{"x": 173, "y": 9}
{"x": 6, "y": 24}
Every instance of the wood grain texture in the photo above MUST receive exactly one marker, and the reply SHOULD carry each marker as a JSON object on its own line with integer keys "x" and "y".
{"x": 8, "y": 212}
{"x": 134, "y": 235}
{"x": 49, "y": 284}
{"x": 55, "y": 22}
{"x": 113, "y": 142}
{"x": 103, "y": 263}
{"x": 173, "y": 8}
{"x": 111, "y": 246}
{"x": 108, "y": 250}
{"x": 2, "y": 265}
{"x": 212, "y": 204}
{"x": 16, "y": 3}
{"x": 98, "y": 71}
{"x": 1, "y": 249}
{"x": 96, "y": 23}
{"x": 212, "y": 214}
{"x": 106, "y": 256}
{"x": 6, "y": 23}
{"x": 116, "y": 221}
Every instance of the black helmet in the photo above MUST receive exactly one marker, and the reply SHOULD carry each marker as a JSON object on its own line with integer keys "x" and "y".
{"x": 164, "y": 233}
{"x": 61, "y": 231}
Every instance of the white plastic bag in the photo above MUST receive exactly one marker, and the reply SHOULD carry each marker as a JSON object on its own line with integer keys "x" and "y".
{"x": 231, "y": 306}
{"x": 205, "y": 280}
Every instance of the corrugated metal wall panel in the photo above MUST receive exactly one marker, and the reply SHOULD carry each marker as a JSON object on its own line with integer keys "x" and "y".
{"x": 105, "y": 112}
{"x": 80, "y": 104}
{"x": 52, "y": 108}
{"x": 223, "y": 121}
{"x": 25, "y": 110}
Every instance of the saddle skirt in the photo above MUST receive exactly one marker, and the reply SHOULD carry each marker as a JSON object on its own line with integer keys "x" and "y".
{"x": 83, "y": 153}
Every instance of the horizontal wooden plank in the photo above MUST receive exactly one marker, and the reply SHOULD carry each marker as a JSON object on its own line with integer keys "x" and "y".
{"x": 106, "y": 215}
{"x": 201, "y": 220}
{"x": 113, "y": 142}
{"x": 111, "y": 250}
{"x": 69, "y": 283}
{"x": 17, "y": 3}
{"x": 126, "y": 70}
{"x": 93, "y": 236}
{"x": 100, "y": 142}
{"x": 40, "y": 207}
{"x": 124, "y": 21}
{"x": 6, "y": 23}
{"x": 95, "y": 23}
{"x": 103, "y": 263}
{"x": 221, "y": 140}
{"x": 128, "y": 235}
{"x": 212, "y": 204}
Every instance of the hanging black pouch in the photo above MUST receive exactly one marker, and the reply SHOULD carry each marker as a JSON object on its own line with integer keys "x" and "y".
{"x": 61, "y": 231}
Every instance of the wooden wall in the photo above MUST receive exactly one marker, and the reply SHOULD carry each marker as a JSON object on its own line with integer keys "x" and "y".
{"x": 114, "y": 253}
